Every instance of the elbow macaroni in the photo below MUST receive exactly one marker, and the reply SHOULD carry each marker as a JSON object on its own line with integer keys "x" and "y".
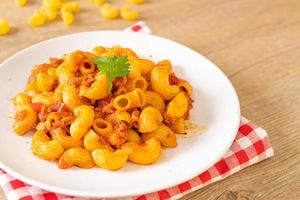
{"x": 129, "y": 14}
{"x": 133, "y": 99}
{"x": 160, "y": 83}
{"x": 138, "y": 82}
{"x": 150, "y": 119}
{"x": 84, "y": 119}
{"x": 139, "y": 67}
{"x": 92, "y": 141}
{"x": 30, "y": 89}
{"x": 119, "y": 51}
{"x": 53, "y": 4}
{"x": 52, "y": 72}
{"x": 185, "y": 86}
{"x": 87, "y": 66}
{"x": 163, "y": 134}
{"x": 110, "y": 160}
{"x": 102, "y": 127}
{"x": 109, "y": 11}
{"x": 67, "y": 17}
{"x": 178, "y": 126}
{"x": 4, "y": 27}
{"x": 155, "y": 100}
{"x": 44, "y": 82}
{"x": 50, "y": 14}
{"x": 26, "y": 118}
{"x": 21, "y": 2}
{"x": 136, "y": 1}
{"x": 81, "y": 122}
{"x": 46, "y": 98}
{"x": 37, "y": 19}
{"x": 98, "y": 90}
{"x": 70, "y": 7}
{"x": 144, "y": 154}
{"x": 63, "y": 75}
{"x": 76, "y": 156}
{"x": 178, "y": 106}
{"x": 65, "y": 140}
{"x": 133, "y": 136}
{"x": 71, "y": 97}
{"x": 98, "y": 50}
{"x": 124, "y": 117}
{"x": 45, "y": 148}
{"x": 73, "y": 60}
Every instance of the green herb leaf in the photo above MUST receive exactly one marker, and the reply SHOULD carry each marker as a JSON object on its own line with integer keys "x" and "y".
{"x": 112, "y": 67}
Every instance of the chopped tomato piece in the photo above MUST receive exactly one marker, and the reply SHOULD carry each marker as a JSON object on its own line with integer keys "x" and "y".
{"x": 37, "y": 106}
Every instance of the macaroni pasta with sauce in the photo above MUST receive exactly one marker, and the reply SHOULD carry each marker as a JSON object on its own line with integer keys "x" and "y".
{"x": 84, "y": 116}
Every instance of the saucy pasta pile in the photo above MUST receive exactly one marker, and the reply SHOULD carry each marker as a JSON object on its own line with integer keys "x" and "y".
{"x": 103, "y": 108}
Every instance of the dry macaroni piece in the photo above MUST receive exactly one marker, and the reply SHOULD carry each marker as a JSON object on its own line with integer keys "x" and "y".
{"x": 129, "y": 14}
{"x": 98, "y": 2}
{"x": 53, "y": 4}
{"x": 21, "y": 2}
{"x": 102, "y": 108}
{"x": 108, "y": 11}
{"x": 4, "y": 27}
{"x": 50, "y": 13}
{"x": 37, "y": 19}
{"x": 136, "y": 1}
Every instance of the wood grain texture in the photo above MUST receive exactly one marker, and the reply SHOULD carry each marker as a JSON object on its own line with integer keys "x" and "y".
{"x": 255, "y": 42}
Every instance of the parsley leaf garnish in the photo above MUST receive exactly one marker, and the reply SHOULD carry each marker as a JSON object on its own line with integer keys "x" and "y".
{"x": 112, "y": 67}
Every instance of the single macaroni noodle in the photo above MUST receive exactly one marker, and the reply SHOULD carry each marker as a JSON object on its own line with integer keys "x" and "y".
{"x": 146, "y": 153}
{"x": 45, "y": 148}
{"x": 163, "y": 134}
{"x": 160, "y": 83}
{"x": 76, "y": 156}
{"x": 111, "y": 160}
{"x": 66, "y": 140}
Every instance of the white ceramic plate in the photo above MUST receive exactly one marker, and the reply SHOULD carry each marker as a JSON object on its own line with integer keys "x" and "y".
{"x": 216, "y": 105}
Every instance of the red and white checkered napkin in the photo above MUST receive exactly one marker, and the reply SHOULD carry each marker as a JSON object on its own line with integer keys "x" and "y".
{"x": 250, "y": 146}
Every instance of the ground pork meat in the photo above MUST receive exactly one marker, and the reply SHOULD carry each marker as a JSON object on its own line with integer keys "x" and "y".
{"x": 119, "y": 82}
{"x": 173, "y": 79}
{"x": 76, "y": 81}
{"x": 106, "y": 105}
{"x": 135, "y": 116}
{"x": 190, "y": 103}
{"x": 98, "y": 112}
{"x": 65, "y": 119}
{"x": 45, "y": 110}
{"x": 68, "y": 118}
{"x": 121, "y": 126}
{"x": 118, "y": 138}
{"x": 56, "y": 61}
{"x": 88, "y": 80}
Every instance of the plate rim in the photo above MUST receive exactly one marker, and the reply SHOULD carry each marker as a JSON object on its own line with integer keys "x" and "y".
{"x": 71, "y": 192}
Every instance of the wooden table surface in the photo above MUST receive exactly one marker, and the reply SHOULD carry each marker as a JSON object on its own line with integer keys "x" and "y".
{"x": 255, "y": 42}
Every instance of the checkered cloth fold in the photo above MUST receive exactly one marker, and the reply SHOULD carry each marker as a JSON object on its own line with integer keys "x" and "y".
{"x": 250, "y": 146}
